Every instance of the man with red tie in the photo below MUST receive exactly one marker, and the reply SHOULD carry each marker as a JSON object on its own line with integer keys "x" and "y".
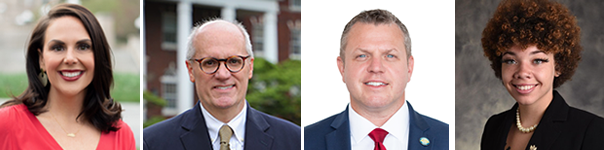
{"x": 376, "y": 64}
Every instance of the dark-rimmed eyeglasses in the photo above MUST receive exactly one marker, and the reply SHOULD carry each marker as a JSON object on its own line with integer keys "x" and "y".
{"x": 210, "y": 65}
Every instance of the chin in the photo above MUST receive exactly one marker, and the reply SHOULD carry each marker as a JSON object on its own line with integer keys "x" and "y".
{"x": 376, "y": 102}
{"x": 224, "y": 102}
{"x": 524, "y": 100}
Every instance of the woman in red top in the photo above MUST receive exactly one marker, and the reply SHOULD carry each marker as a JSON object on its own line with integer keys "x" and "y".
{"x": 67, "y": 104}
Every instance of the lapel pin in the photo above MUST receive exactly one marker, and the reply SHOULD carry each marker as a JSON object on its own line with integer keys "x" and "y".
{"x": 533, "y": 147}
{"x": 424, "y": 141}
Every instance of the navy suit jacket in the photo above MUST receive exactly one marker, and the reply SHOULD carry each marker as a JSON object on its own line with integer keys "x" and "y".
{"x": 189, "y": 131}
{"x": 333, "y": 133}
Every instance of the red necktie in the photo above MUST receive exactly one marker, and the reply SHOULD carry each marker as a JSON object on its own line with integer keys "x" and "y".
{"x": 378, "y": 135}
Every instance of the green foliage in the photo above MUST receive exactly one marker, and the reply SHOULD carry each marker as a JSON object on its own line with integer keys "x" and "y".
{"x": 12, "y": 84}
{"x": 275, "y": 89}
{"x": 126, "y": 87}
{"x": 152, "y": 98}
{"x": 152, "y": 121}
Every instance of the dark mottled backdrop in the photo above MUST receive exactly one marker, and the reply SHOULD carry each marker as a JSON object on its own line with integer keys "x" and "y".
{"x": 479, "y": 94}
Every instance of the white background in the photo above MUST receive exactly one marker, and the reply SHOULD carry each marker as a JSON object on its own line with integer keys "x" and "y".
{"x": 431, "y": 90}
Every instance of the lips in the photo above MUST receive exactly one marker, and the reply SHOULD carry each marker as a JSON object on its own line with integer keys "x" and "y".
{"x": 224, "y": 87}
{"x": 375, "y": 83}
{"x": 525, "y": 88}
{"x": 71, "y": 75}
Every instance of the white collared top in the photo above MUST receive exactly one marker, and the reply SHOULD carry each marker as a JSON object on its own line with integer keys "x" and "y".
{"x": 237, "y": 124}
{"x": 397, "y": 127}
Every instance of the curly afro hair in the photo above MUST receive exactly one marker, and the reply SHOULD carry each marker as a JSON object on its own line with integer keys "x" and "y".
{"x": 548, "y": 25}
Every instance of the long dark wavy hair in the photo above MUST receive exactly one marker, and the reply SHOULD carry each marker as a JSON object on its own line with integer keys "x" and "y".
{"x": 98, "y": 106}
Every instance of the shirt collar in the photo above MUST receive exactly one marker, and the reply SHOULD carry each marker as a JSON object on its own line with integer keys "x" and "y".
{"x": 237, "y": 123}
{"x": 397, "y": 125}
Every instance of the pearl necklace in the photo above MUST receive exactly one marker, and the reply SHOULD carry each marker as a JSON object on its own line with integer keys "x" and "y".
{"x": 519, "y": 125}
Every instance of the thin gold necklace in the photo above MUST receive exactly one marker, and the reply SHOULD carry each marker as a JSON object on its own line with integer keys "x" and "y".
{"x": 68, "y": 134}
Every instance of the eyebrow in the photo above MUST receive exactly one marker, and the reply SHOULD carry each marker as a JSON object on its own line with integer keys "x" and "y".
{"x": 514, "y": 54}
{"x": 366, "y": 51}
{"x": 62, "y": 43}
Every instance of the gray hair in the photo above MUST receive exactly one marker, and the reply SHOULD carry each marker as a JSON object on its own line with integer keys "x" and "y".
{"x": 377, "y": 17}
{"x": 190, "y": 43}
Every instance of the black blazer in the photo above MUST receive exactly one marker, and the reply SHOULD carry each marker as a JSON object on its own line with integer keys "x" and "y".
{"x": 561, "y": 127}
{"x": 333, "y": 133}
{"x": 189, "y": 131}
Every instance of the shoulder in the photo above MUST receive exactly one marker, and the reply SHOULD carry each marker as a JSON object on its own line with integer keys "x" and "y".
{"x": 438, "y": 132}
{"x": 496, "y": 120}
{"x": 314, "y": 134}
{"x": 584, "y": 129}
{"x": 437, "y": 125}
{"x": 278, "y": 123}
{"x": 124, "y": 132}
{"x": 165, "y": 127}
{"x": 578, "y": 117}
{"x": 490, "y": 134}
{"x": 166, "y": 132}
{"x": 123, "y": 138}
{"x": 13, "y": 120}
{"x": 12, "y": 113}
{"x": 321, "y": 127}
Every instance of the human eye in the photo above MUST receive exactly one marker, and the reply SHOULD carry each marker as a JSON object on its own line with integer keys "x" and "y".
{"x": 390, "y": 56}
{"x": 84, "y": 46}
{"x": 57, "y": 48}
{"x": 361, "y": 56}
{"x": 209, "y": 62}
{"x": 235, "y": 60}
{"x": 508, "y": 61}
{"x": 540, "y": 61}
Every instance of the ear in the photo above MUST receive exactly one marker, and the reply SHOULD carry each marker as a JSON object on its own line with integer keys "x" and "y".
{"x": 251, "y": 68}
{"x": 190, "y": 70}
{"x": 41, "y": 59}
{"x": 557, "y": 74}
{"x": 410, "y": 63}
{"x": 341, "y": 67}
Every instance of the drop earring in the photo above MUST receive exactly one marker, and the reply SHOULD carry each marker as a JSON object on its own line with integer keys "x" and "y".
{"x": 43, "y": 78}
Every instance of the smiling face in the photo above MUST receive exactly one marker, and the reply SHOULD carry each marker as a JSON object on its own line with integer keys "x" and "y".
{"x": 67, "y": 56}
{"x": 528, "y": 74}
{"x": 222, "y": 89}
{"x": 376, "y": 70}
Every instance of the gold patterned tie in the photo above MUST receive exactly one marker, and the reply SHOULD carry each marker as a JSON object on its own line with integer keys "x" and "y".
{"x": 225, "y": 136}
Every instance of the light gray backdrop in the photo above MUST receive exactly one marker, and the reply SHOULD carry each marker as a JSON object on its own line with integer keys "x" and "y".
{"x": 479, "y": 94}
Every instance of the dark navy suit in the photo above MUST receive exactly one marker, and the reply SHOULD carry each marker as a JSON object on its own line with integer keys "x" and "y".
{"x": 333, "y": 133}
{"x": 189, "y": 131}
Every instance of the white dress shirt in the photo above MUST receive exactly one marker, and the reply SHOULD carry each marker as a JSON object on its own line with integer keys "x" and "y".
{"x": 397, "y": 127}
{"x": 237, "y": 124}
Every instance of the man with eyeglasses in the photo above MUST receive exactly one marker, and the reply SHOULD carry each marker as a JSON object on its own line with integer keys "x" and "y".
{"x": 220, "y": 63}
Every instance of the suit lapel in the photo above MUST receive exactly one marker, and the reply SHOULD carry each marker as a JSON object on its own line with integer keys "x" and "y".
{"x": 418, "y": 128}
{"x": 339, "y": 138}
{"x": 196, "y": 135}
{"x": 255, "y": 131}
{"x": 550, "y": 126}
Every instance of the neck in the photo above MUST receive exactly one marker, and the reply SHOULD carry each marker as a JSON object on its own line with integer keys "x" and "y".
{"x": 531, "y": 114}
{"x": 65, "y": 106}
{"x": 377, "y": 115}
{"x": 224, "y": 115}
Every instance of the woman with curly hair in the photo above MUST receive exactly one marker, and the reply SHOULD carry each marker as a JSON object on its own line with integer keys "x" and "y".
{"x": 534, "y": 47}
{"x": 67, "y": 104}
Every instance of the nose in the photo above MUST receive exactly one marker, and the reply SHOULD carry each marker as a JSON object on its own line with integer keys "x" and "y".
{"x": 70, "y": 56}
{"x": 523, "y": 71}
{"x": 375, "y": 65}
{"x": 222, "y": 73}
